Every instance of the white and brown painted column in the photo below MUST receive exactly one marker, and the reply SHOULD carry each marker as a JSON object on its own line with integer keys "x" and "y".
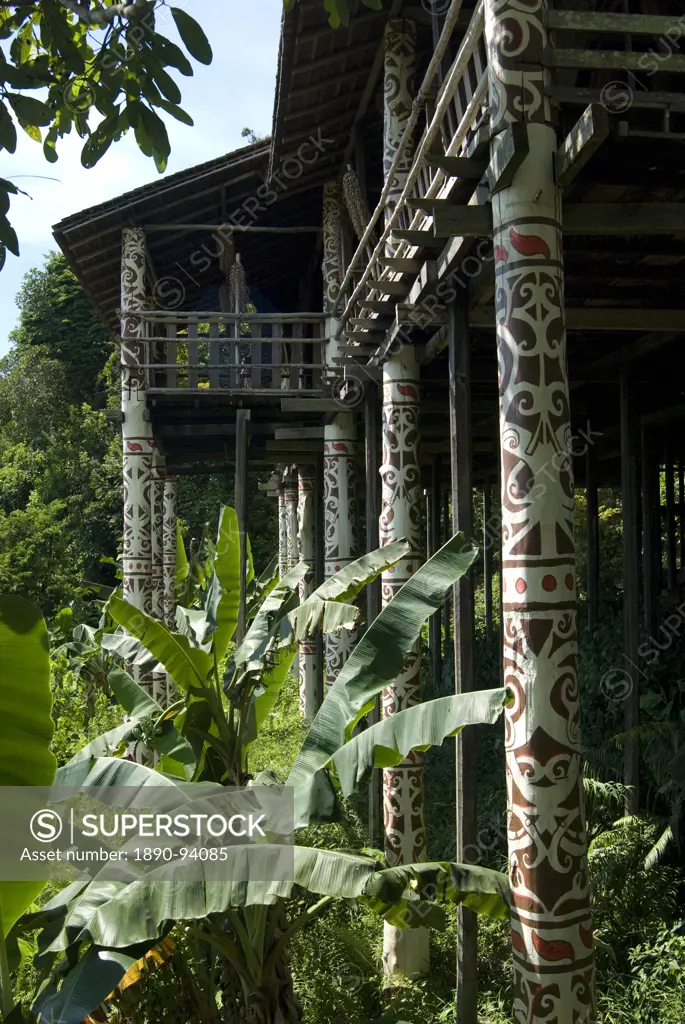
{"x": 159, "y": 679}
{"x": 340, "y": 524}
{"x": 282, "y": 533}
{"x": 405, "y": 952}
{"x": 138, "y": 443}
{"x": 169, "y": 550}
{"x": 290, "y": 502}
{"x": 551, "y": 923}
{"x": 306, "y": 484}
{"x": 399, "y": 85}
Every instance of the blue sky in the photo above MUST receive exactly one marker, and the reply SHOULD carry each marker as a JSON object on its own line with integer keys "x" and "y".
{"x": 235, "y": 92}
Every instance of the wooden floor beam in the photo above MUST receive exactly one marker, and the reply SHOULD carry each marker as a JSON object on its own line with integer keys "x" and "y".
{"x": 629, "y": 679}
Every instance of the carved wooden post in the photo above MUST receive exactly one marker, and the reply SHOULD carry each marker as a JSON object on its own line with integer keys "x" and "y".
{"x": 554, "y": 976}
{"x": 405, "y": 952}
{"x": 340, "y": 529}
{"x": 138, "y": 443}
{"x": 290, "y": 501}
{"x": 307, "y": 649}
{"x": 399, "y": 90}
{"x": 169, "y": 532}
{"x": 282, "y": 532}
{"x": 159, "y": 679}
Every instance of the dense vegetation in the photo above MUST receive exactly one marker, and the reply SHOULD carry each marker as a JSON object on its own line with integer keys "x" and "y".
{"x": 60, "y": 513}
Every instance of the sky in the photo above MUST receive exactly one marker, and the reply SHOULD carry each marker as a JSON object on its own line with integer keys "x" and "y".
{"x": 236, "y": 91}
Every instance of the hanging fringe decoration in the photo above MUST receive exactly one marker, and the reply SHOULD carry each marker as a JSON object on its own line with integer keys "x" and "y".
{"x": 240, "y": 295}
{"x": 357, "y": 206}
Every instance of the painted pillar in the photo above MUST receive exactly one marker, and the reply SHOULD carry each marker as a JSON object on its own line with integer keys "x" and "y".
{"x": 399, "y": 90}
{"x": 169, "y": 543}
{"x": 554, "y": 975}
{"x": 290, "y": 499}
{"x": 159, "y": 679}
{"x": 340, "y": 526}
{"x": 405, "y": 952}
{"x": 282, "y": 533}
{"x": 138, "y": 443}
{"x": 306, "y": 483}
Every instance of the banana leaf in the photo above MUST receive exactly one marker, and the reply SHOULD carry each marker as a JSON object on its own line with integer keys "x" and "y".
{"x": 388, "y": 743}
{"x": 26, "y": 726}
{"x": 223, "y": 594}
{"x": 480, "y": 889}
{"x": 182, "y": 564}
{"x": 377, "y": 660}
{"x": 322, "y": 608}
{"x": 85, "y": 987}
{"x": 188, "y": 666}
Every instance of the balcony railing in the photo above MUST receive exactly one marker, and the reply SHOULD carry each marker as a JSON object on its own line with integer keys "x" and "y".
{"x": 256, "y": 352}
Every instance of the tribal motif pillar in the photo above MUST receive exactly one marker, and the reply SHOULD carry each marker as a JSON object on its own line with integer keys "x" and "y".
{"x": 282, "y": 533}
{"x": 159, "y": 679}
{"x": 169, "y": 545}
{"x": 331, "y": 267}
{"x": 398, "y": 88}
{"x": 551, "y": 923}
{"x": 290, "y": 500}
{"x": 340, "y": 524}
{"x": 138, "y": 443}
{"x": 405, "y": 952}
{"x": 307, "y": 648}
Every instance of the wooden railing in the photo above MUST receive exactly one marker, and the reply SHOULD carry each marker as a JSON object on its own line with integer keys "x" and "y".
{"x": 456, "y": 126}
{"x": 265, "y": 353}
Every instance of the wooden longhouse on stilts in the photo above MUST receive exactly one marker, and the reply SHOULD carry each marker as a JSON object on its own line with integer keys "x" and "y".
{"x": 462, "y": 247}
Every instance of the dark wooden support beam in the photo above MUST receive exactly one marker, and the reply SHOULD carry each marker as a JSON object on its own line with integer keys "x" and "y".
{"x": 241, "y": 446}
{"x": 488, "y": 542}
{"x": 449, "y": 219}
{"x": 630, "y": 440}
{"x": 681, "y": 512}
{"x": 433, "y": 545}
{"x": 592, "y": 499}
{"x": 587, "y": 134}
{"x": 671, "y": 552}
{"x": 319, "y": 569}
{"x": 464, "y": 681}
{"x": 511, "y": 151}
{"x": 446, "y": 535}
{"x": 650, "y": 531}
{"x": 372, "y": 437}
{"x": 612, "y": 23}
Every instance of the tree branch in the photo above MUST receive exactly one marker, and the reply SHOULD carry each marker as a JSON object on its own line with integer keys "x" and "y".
{"x": 99, "y": 16}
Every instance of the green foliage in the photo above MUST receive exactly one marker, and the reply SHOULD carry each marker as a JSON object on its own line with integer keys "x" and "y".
{"x": 102, "y": 72}
{"x": 80, "y": 710}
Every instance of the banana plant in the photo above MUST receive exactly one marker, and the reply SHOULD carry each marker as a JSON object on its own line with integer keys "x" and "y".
{"x": 247, "y": 926}
{"x": 26, "y": 730}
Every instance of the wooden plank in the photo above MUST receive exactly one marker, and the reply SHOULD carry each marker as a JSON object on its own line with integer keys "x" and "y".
{"x": 616, "y": 60}
{"x": 587, "y": 134}
{"x": 614, "y": 24}
{"x": 511, "y": 151}
{"x": 629, "y": 678}
{"x": 425, "y": 282}
{"x": 192, "y": 354}
{"x": 671, "y": 549}
{"x": 423, "y": 239}
{"x": 464, "y": 676}
{"x": 379, "y": 324}
{"x": 459, "y": 221}
{"x": 171, "y": 356}
{"x": 432, "y": 545}
{"x": 600, "y": 318}
{"x": 377, "y": 306}
{"x": 309, "y": 405}
{"x": 623, "y": 218}
{"x": 295, "y": 433}
{"x": 488, "y": 560}
{"x": 657, "y": 100}
{"x": 389, "y": 287}
{"x": 458, "y": 166}
{"x": 213, "y": 353}
{"x": 403, "y": 264}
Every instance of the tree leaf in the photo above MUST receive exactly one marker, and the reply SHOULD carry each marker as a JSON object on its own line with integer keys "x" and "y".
{"x": 480, "y": 889}
{"x": 8, "y": 131}
{"x": 26, "y": 727}
{"x": 30, "y": 110}
{"x": 193, "y": 36}
{"x": 8, "y": 236}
